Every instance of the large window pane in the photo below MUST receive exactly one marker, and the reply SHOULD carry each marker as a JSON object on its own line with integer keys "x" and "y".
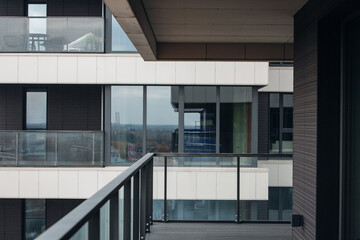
{"x": 235, "y": 119}
{"x": 200, "y": 119}
{"x": 36, "y": 110}
{"x": 126, "y": 124}
{"x": 288, "y": 111}
{"x": 34, "y": 218}
{"x": 120, "y": 42}
{"x": 274, "y": 123}
{"x": 162, "y": 119}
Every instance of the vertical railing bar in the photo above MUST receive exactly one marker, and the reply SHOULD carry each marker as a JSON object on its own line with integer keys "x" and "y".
{"x": 238, "y": 190}
{"x": 136, "y": 206}
{"x": 151, "y": 197}
{"x": 17, "y": 149}
{"x": 127, "y": 210}
{"x": 94, "y": 227}
{"x": 148, "y": 193}
{"x": 143, "y": 203}
{"x": 165, "y": 189}
{"x": 114, "y": 216}
{"x": 93, "y": 148}
{"x": 56, "y": 149}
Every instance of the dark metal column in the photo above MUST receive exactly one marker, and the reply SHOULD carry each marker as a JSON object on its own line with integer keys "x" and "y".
{"x": 165, "y": 189}
{"x": 136, "y": 206}
{"x": 114, "y": 216}
{"x": 127, "y": 211}
{"x": 238, "y": 190}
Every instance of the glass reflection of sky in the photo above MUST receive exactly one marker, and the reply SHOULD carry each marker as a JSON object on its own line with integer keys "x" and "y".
{"x": 120, "y": 41}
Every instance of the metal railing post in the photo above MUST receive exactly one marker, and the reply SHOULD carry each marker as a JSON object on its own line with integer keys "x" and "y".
{"x": 94, "y": 227}
{"x": 143, "y": 204}
{"x": 238, "y": 189}
{"x": 56, "y": 149}
{"x": 165, "y": 189}
{"x": 114, "y": 216}
{"x": 136, "y": 206}
{"x": 150, "y": 187}
{"x": 93, "y": 149}
{"x": 17, "y": 149}
{"x": 127, "y": 211}
{"x": 148, "y": 197}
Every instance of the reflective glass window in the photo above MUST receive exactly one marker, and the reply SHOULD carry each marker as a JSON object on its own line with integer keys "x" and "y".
{"x": 235, "y": 119}
{"x": 126, "y": 124}
{"x": 162, "y": 119}
{"x": 120, "y": 42}
{"x": 34, "y": 218}
{"x": 200, "y": 119}
{"x": 36, "y": 110}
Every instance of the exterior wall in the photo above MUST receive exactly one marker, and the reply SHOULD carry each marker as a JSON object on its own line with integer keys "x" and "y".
{"x": 11, "y": 108}
{"x": 125, "y": 69}
{"x": 58, "y": 208}
{"x": 183, "y": 182}
{"x": 69, "y": 107}
{"x": 12, "y": 7}
{"x": 281, "y": 79}
{"x": 11, "y": 219}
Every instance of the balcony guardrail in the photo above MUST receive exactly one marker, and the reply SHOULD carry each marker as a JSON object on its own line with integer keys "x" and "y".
{"x": 123, "y": 209}
{"x": 51, "y": 148}
{"x": 52, "y": 34}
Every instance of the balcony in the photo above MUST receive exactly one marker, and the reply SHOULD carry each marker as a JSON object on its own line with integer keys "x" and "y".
{"x": 52, "y": 34}
{"x": 51, "y": 148}
{"x": 144, "y": 201}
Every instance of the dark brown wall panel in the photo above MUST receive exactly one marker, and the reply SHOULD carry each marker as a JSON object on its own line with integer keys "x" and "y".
{"x": 55, "y": 7}
{"x": 55, "y": 107}
{"x": 12, "y": 219}
{"x": 263, "y": 126}
{"x": 94, "y": 106}
{"x": 73, "y": 107}
{"x": 58, "y": 208}
{"x": 12, "y": 7}
{"x": 2, "y": 219}
{"x": 14, "y": 108}
{"x": 3, "y": 108}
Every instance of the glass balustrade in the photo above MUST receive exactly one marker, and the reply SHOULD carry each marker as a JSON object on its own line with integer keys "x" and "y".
{"x": 51, "y": 148}
{"x": 52, "y": 34}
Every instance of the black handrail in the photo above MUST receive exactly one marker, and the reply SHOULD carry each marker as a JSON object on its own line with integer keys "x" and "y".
{"x": 89, "y": 210}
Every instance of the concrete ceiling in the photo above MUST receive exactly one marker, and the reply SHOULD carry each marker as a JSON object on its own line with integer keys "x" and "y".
{"x": 157, "y": 24}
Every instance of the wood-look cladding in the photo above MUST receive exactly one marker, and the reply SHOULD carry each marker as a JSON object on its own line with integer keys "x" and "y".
{"x": 11, "y": 105}
{"x": 316, "y": 119}
{"x": 58, "y": 208}
{"x": 74, "y": 8}
{"x": 11, "y": 216}
{"x": 263, "y": 125}
{"x": 74, "y": 107}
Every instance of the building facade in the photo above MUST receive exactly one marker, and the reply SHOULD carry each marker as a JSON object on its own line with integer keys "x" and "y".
{"x": 78, "y": 105}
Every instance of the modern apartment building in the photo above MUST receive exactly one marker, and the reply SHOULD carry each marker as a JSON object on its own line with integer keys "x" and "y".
{"x": 78, "y": 105}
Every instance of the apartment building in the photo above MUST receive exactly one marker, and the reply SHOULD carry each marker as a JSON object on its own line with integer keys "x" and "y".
{"x": 78, "y": 105}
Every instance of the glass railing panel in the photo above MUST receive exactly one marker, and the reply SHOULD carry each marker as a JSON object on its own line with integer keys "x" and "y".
{"x": 52, "y": 34}
{"x": 105, "y": 221}
{"x": 36, "y": 149}
{"x": 158, "y": 189}
{"x": 201, "y": 188}
{"x": 8, "y": 146}
{"x": 266, "y": 189}
{"x": 51, "y": 148}
{"x": 79, "y": 148}
{"x": 82, "y": 233}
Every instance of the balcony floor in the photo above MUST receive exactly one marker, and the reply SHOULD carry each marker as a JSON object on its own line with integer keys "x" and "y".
{"x": 212, "y": 231}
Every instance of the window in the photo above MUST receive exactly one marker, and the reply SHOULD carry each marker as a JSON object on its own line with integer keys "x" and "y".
{"x": 34, "y": 218}
{"x": 36, "y": 111}
{"x": 281, "y": 123}
{"x": 37, "y": 26}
